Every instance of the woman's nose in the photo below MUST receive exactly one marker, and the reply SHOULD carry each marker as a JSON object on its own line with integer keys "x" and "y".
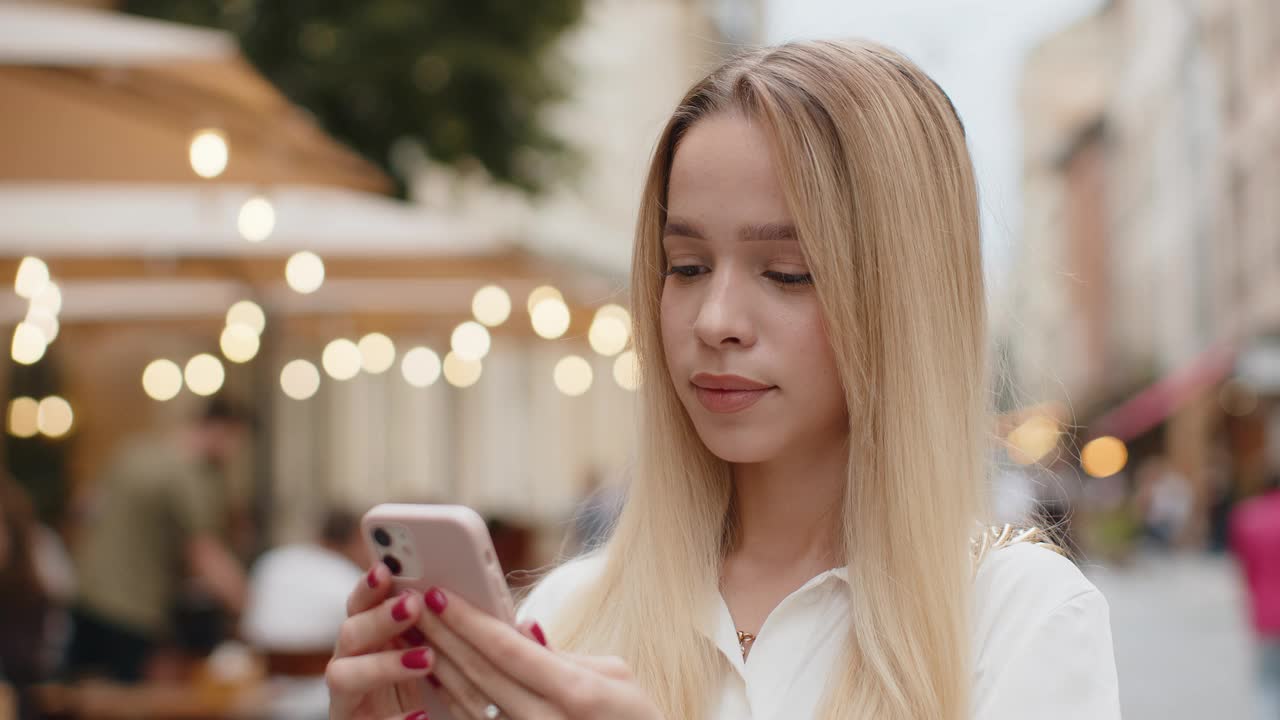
{"x": 724, "y": 317}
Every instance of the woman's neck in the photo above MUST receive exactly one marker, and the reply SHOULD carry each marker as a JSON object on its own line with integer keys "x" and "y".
{"x": 788, "y": 512}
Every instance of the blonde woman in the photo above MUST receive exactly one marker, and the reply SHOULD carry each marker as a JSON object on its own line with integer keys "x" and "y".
{"x": 802, "y": 537}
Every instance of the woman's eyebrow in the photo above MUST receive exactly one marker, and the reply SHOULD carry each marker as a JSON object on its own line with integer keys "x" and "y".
{"x": 766, "y": 232}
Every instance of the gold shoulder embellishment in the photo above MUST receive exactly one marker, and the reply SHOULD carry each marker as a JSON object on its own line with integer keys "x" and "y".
{"x": 995, "y": 537}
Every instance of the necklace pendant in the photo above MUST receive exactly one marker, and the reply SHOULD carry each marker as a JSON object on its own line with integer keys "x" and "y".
{"x": 745, "y": 640}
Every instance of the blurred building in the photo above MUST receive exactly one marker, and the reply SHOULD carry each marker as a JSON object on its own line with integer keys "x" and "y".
{"x": 1149, "y": 268}
{"x": 149, "y": 258}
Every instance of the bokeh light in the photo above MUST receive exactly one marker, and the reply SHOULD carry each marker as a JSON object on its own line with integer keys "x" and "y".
{"x": 626, "y": 370}
{"x": 299, "y": 379}
{"x": 239, "y": 343}
{"x": 1033, "y": 440}
{"x": 573, "y": 375}
{"x": 420, "y": 367}
{"x": 1104, "y": 456}
{"x": 470, "y": 341}
{"x": 162, "y": 380}
{"x": 204, "y": 374}
{"x": 54, "y": 416}
{"x": 257, "y": 219}
{"x": 550, "y": 318}
{"x": 540, "y": 293}
{"x": 377, "y": 353}
{"x": 247, "y": 312}
{"x": 46, "y": 321}
{"x": 209, "y": 153}
{"x": 22, "y": 417}
{"x": 31, "y": 278}
{"x": 49, "y": 298}
{"x": 29, "y": 344}
{"x": 304, "y": 272}
{"x": 491, "y": 305}
{"x": 342, "y": 359}
{"x": 461, "y": 372}
{"x": 608, "y": 335}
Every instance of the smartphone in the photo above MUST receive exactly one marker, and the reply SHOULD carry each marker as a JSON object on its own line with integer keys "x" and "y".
{"x": 445, "y": 546}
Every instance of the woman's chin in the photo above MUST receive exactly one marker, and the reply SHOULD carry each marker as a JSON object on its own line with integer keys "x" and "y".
{"x": 739, "y": 447}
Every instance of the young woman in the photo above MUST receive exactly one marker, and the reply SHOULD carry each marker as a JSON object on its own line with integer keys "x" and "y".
{"x": 799, "y": 541}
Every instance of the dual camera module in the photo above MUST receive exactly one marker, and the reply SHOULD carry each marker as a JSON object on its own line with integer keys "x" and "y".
{"x": 383, "y": 539}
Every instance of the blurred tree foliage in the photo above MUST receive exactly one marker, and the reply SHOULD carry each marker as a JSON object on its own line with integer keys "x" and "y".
{"x": 462, "y": 80}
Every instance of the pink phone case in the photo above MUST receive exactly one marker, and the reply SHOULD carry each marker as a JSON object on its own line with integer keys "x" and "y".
{"x": 445, "y": 546}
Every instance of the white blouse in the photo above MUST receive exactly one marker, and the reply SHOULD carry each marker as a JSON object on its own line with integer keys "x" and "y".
{"x": 1041, "y": 641}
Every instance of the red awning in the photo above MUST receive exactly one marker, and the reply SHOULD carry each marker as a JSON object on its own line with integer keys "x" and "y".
{"x": 1154, "y": 404}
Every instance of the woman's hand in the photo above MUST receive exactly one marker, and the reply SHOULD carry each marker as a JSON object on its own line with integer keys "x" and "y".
{"x": 483, "y": 662}
{"x": 378, "y": 665}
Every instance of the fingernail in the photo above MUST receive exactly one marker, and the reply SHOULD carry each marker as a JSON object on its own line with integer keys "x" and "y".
{"x": 536, "y": 629}
{"x": 435, "y": 681}
{"x": 436, "y": 600}
{"x": 400, "y": 611}
{"x": 420, "y": 715}
{"x": 413, "y": 636}
{"x": 373, "y": 577}
{"x": 419, "y": 659}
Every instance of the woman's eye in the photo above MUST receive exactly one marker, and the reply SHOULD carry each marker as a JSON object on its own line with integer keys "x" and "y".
{"x": 687, "y": 271}
{"x": 790, "y": 278}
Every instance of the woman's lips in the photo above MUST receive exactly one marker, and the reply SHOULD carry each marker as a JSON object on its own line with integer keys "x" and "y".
{"x": 728, "y": 401}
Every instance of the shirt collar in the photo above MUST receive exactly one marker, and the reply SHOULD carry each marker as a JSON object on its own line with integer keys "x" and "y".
{"x": 717, "y": 624}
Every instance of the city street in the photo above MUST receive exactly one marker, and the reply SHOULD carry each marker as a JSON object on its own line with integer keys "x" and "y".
{"x": 1183, "y": 645}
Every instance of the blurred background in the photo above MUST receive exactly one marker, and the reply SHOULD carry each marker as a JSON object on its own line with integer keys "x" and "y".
{"x": 273, "y": 263}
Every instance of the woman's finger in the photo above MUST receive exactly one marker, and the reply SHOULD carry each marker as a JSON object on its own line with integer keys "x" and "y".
{"x": 373, "y": 589}
{"x": 415, "y": 715}
{"x": 374, "y": 628}
{"x": 469, "y": 697}
{"x": 360, "y": 674}
{"x": 473, "y": 639}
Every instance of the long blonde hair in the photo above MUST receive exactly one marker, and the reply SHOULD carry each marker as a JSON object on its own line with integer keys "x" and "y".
{"x": 876, "y": 173}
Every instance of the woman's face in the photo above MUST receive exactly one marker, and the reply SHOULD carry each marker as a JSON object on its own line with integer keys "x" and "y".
{"x": 742, "y": 329}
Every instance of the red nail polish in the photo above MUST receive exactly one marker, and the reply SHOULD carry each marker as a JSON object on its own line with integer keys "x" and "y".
{"x": 420, "y": 715}
{"x": 399, "y": 612}
{"x": 538, "y": 635}
{"x": 419, "y": 659}
{"x": 436, "y": 600}
{"x": 373, "y": 577}
{"x": 413, "y": 636}
{"x": 435, "y": 681}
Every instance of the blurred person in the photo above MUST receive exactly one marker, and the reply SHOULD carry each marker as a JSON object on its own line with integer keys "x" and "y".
{"x": 810, "y": 321}
{"x": 1165, "y": 501}
{"x": 26, "y": 604}
{"x": 1255, "y": 539}
{"x": 158, "y": 518}
{"x": 298, "y": 593}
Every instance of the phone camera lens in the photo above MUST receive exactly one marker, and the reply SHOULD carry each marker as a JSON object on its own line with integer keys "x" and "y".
{"x": 382, "y": 537}
{"x": 392, "y": 563}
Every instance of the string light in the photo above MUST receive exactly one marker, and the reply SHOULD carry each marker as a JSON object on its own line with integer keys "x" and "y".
{"x": 377, "y": 353}
{"x": 304, "y": 272}
{"x": 257, "y": 219}
{"x": 209, "y": 153}
{"x": 626, "y": 370}
{"x": 162, "y": 380}
{"x": 461, "y": 372}
{"x": 470, "y": 341}
{"x": 300, "y": 379}
{"x": 247, "y": 312}
{"x": 491, "y": 305}
{"x": 23, "y": 413}
{"x": 420, "y": 367}
{"x": 32, "y": 277}
{"x": 341, "y": 359}
{"x": 29, "y": 344}
{"x": 550, "y": 318}
{"x": 540, "y": 293}
{"x": 54, "y": 416}
{"x": 239, "y": 343}
{"x": 573, "y": 375}
{"x": 204, "y": 374}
